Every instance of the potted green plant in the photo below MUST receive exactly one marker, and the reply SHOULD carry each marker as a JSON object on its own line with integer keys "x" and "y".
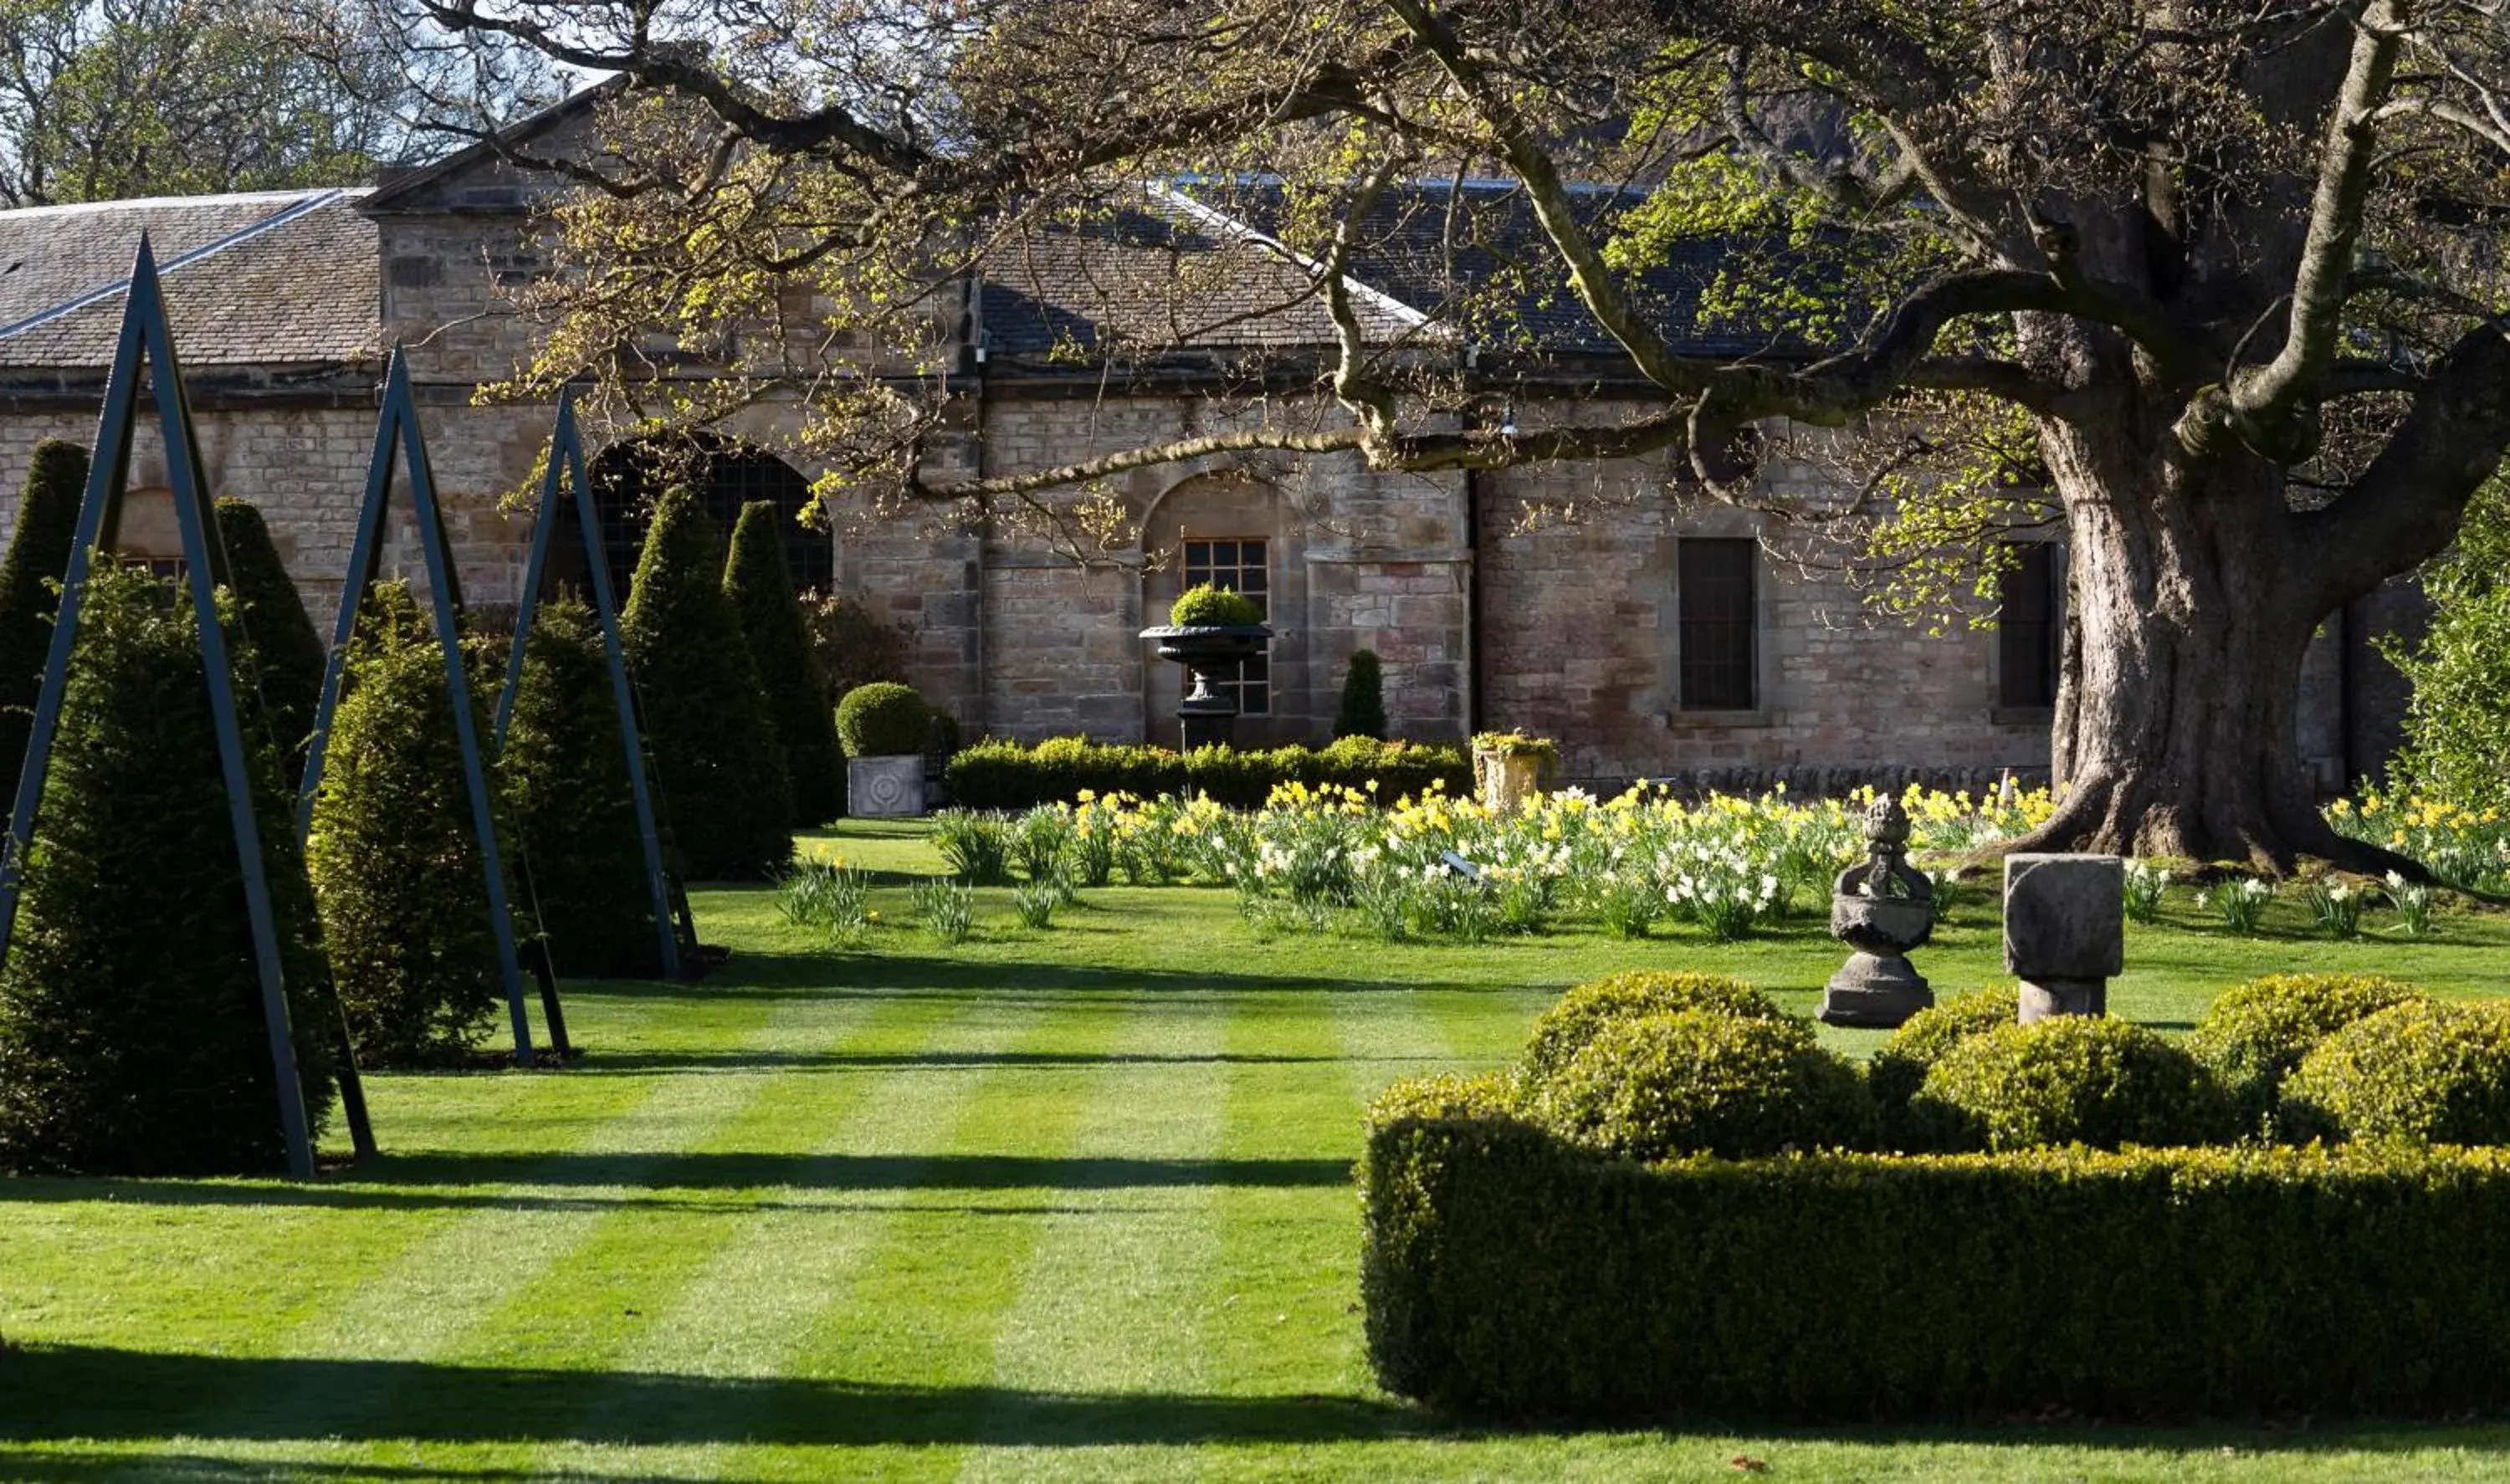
{"x": 1209, "y": 631}
{"x": 883, "y": 727}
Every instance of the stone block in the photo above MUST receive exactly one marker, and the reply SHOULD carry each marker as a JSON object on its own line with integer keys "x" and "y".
{"x": 2065, "y": 930}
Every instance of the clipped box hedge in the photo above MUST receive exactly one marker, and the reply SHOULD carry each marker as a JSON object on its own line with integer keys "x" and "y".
{"x": 1507, "y": 1275}
{"x": 1008, "y": 775}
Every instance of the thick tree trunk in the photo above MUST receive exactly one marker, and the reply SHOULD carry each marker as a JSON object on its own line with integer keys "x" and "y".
{"x": 2190, "y": 613}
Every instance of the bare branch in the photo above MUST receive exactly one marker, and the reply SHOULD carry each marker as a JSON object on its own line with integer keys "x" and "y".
{"x": 2266, "y": 403}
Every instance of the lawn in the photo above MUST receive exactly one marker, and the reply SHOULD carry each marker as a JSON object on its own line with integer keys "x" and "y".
{"x": 1060, "y": 1203}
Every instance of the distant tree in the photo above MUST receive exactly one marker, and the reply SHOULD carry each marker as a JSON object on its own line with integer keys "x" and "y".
{"x": 131, "y": 1036}
{"x": 761, "y": 588}
{"x": 39, "y": 552}
{"x": 288, "y": 647}
{"x": 2458, "y": 720}
{"x": 572, "y": 816}
{"x": 720, "y": 767}
{"x": 1363, "y": 697}
{"x": 102, "y": 99}
{"x": 394, "y": 863}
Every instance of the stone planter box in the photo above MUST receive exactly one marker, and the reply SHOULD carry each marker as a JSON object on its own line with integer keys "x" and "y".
{"x": 1507, "y": 782}
{"x": 885, "y": 787}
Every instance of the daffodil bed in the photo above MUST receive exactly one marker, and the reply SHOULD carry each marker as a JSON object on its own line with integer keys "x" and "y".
{"x": 1443, "y": 868}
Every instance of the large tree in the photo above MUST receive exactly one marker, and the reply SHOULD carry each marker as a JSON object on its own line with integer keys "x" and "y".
{"x": 2213, "y": 281}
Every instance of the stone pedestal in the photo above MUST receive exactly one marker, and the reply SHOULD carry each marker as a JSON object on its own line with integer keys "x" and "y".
{"x": 1208, "y": 716}
{"x": 1883, "y": 910}
{"x": 885, "y": 787}
{"x": 2064, "y": 932}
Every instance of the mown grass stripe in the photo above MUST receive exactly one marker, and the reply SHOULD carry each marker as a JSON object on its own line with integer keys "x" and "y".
{"x": 893, "y": 1378}
{"x": 513, "y": 1220}
{"x": 1115, "y": 1290}
{"x": 1275, "y": 1345}
{"x": 740, "y": 1319}
{"x": 198, "y": 1250}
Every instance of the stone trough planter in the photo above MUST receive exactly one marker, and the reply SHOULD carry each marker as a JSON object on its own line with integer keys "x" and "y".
{"x": 885, "y": 787}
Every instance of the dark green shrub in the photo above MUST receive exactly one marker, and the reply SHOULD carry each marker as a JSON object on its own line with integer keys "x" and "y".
{"x": 883, "y": 719}
{"x": 1573, "y": 1020}
{"x": 396, "y": 866}
{"x": 1363, "y": 697}
{"x": 761, "y": 588}
{"x": 2254, "y": 1033}
{"x": 2436, "y": 1073}
{"x": 716, "y": 762}
{"x": 1506, "y": 1274}
{"x": 1005, "y": 775}
{"x": 570, "y": 811}
{"x": 1207, "y": 606}
{"x": 1899, "y": 1065}
{"x": 854, "y": 647}
{"x": 2069, "y": 1080}
{"x": 132, "y": 1038}
{"x": 1705, "y": 1082}
{"x": 39, "y": 556}
{"x": 290, "y": 653}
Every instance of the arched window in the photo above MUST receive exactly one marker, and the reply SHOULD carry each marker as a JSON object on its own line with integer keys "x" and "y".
{"x": 726, "y": 474}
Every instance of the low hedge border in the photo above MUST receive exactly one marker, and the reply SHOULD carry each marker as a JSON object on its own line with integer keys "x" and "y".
{"x": 1507, "y": 1275}
{"x": 1007, "y": 775}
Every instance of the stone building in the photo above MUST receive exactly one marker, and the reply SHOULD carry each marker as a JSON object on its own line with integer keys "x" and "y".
{"x": 1654, "y": 636}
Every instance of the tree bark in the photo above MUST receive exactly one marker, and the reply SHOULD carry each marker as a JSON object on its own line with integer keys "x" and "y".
{"x": 2192, "y": 609}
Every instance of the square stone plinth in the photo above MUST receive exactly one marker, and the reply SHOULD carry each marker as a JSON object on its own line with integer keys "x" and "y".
{"x": 2065, "y": 916}
{"x": 885, "y": 787}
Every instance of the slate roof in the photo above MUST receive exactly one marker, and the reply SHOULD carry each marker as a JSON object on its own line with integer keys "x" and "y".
{"x": 1437, "y": 263}
{"x": 1171, "y": 272}
{"x": 262, "y": 278}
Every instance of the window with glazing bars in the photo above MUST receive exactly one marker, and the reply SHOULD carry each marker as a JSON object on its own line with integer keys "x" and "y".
{"x": 2027, "y": 616}
{"x": 1717, "y": 619}
{"x": 1238, "y": 564}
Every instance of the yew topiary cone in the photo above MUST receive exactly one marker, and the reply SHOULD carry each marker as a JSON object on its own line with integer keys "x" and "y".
{"x": 396, "y": 866}
{"x": 569, "y": 807}
{"x": 716, "y": 762}
{"x": 761, "y": 589}
{"x": 132, "y": 1032}
{"x": 284, "y": 637}
{"x": 39, "y": 552}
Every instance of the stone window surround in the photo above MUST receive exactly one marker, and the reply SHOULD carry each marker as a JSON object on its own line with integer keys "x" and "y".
{"x": 1722, "y": 524}
{"x": 2030, "y": 716}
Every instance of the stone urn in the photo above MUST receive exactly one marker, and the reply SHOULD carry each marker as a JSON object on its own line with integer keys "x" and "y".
{"x": 1883, "y": 910}
{"x": 1208, "y": 715}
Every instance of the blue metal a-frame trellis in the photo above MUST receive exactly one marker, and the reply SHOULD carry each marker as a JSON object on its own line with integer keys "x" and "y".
{"x": 566, "y": 475}
{"x": 397, "y": 431}
{"x": 145, "y": 333}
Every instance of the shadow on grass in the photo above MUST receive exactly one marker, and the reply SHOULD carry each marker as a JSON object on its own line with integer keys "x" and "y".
{"x": 535, "y": 1180}
{"x": 843, "y": 974}
{"x": 110, "y": 1397}
{"x": 61, "y": 1393}
{"x": 840, "y": 1062}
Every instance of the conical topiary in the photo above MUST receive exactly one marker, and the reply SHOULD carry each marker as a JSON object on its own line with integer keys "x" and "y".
{"x": 1363, "y": 697}
{"x": 284, "y": 637}
{"x": 395, "y": 865}
{"x": 131, "y": 1033}
{"x": 569, "y": 809}
{"x": 39, "y": 552}
{"x": 715, "y": 757}
{"x": 761, "y": 589}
